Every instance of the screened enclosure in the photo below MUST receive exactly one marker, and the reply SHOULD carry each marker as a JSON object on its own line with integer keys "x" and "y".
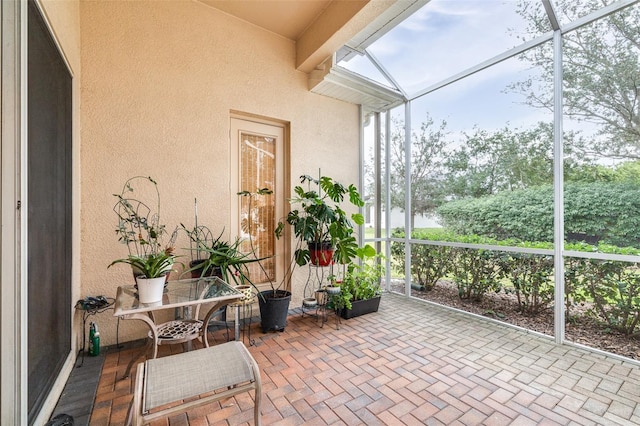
{"x": 508, "y": 170}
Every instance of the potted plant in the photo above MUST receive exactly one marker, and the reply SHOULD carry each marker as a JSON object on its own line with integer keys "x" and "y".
{"x": 201, "y": 243}
{"x": 216, "y": 256}
{"x": 322, "y": 223}
{"x": 228, "y": 259}
{"x": 153, "y": 269}
{"x": 139, "y": 228}
{"x": 273, "y": 303}
{"x": 360, "y": 289}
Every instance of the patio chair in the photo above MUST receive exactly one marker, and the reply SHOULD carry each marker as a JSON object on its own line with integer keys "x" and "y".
{"x": 171, "y": 384}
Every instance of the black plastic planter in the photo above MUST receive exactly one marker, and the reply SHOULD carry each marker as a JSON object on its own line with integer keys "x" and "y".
{"x": 274, "y": 309}
{"x": 361, "y": 307}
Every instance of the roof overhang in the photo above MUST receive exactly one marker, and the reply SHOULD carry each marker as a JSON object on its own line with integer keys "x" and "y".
{"x": 340, "y": 83}
{"x": 337, "y": 82}
{"x": 378, "y": 27}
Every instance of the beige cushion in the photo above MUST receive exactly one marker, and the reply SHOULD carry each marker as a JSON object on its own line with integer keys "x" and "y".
{"x": 190, "y": 374}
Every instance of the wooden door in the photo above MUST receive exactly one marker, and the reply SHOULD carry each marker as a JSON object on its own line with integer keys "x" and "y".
{"x": 258, "y": 154}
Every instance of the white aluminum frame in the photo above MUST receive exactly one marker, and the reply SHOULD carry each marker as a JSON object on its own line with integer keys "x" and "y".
{"x": 556, "y": 36}
{"x": 13, "y": 298}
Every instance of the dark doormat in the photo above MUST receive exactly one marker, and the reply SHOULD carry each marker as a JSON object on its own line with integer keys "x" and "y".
{"x": 79, "y": 393}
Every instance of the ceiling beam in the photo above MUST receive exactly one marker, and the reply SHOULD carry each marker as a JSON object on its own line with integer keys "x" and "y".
{"x": 338, "y": 24}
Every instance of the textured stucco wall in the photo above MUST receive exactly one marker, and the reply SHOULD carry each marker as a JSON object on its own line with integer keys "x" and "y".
{"x": 159, "y": 81}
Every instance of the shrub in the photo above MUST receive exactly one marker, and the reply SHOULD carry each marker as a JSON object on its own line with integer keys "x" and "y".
{"x": 617, "y": 296}
{"x": 475, "y": 272}
{"x": 525, "y": 215}
{"x": 429, "y": 263}
{"x": 612, "y": 286}
{"x": 596, "y": 212}
{"x": 531, "y": 276}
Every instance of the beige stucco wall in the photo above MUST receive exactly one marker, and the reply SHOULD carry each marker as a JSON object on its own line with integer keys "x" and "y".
{"x": 159, "y": 81}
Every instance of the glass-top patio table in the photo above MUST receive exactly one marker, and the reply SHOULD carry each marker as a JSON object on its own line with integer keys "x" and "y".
{"x": 186, "y": 294}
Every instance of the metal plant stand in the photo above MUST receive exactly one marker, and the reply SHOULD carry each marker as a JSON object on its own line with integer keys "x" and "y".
{"x": 91, "y": 306}
{"x": 243, "y": 326}
{"x": 317, "y": 296}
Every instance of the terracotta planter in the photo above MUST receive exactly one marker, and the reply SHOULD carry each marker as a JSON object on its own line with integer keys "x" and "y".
{"x": 321, "y": 253}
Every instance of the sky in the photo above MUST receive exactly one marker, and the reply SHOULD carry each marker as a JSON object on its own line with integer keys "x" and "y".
{"x": 446, "y": 37}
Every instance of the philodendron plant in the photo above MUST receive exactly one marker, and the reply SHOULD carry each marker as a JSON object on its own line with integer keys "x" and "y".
{"x": 319, "y": 218}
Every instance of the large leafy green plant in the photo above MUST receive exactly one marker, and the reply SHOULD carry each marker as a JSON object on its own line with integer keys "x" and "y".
{"x": 320, "y": 218}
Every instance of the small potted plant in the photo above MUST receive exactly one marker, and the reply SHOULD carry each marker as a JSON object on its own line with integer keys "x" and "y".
{"x": 153, "y": 269}
{"x": 360, "y": 289}
{"x": 322, "y": 223}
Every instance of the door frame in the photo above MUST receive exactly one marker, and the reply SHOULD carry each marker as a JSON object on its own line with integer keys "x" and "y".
{"x": 283, "y": 248}
{"x": 13, "y": 298}
{"x": 13, "y": 209}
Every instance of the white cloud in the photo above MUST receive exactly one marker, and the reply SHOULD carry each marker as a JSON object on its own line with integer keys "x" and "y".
{"x": 446, "y": 37}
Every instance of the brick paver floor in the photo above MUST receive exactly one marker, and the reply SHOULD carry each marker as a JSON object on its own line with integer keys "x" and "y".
{"x": 409, "y": 363}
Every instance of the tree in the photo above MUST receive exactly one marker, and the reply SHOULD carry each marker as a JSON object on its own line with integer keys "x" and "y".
{"x": 508, "y": 159}
{"x": 489, "y": 162}
{"x": 601, "y": 70}
{"x": 482, "y": 163}
{"x": 427, "y": 158}
{"x": 602, "y": 85}
{"x": 627, "y": 173}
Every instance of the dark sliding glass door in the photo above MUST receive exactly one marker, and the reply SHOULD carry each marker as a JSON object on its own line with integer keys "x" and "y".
{"x": 49, "y": 211}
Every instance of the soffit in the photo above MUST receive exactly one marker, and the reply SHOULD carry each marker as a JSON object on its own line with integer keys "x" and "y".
{"x": 320, "y": 28}
{"x": 287, "y": 18}
{"x": 339, "y": 83}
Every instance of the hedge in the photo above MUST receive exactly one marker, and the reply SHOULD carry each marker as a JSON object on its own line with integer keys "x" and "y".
{"x": 612, "y": 287}
{"x": 594, "y": 213}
